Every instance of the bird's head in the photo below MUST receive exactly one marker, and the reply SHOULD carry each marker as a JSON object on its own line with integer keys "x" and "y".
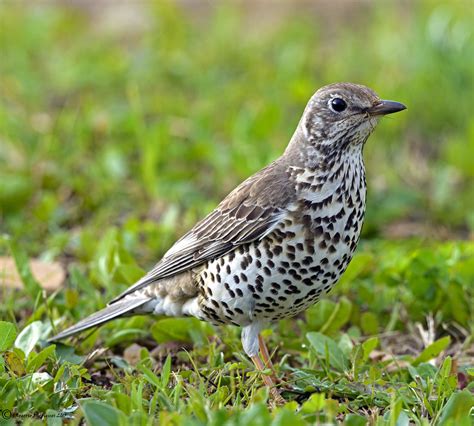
{"x": 343, "y": 115}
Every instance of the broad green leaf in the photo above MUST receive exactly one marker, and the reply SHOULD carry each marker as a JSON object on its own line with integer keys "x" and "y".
{"x": 318, "y": 315}
{"x": 402, "y": 419}
{"x": 346, "y": 345}
{"x": 7, "y": 335}
{"x": 329, "y": 317}
{"x": 15, "y": 360}
{"x": 369, "y": 323}
{"x": 66, "y": 353}
{"x": 38, "y": 360}
{"x": 315, "y": 402}
{"x": 129, "y": 334}
{"x": 338, "y": 318}
{"x": 130, "y": 273}
{"x": 325, "y": 347}
{"x": 29, "y": 337}
{"x": 360, "y": 263}
{"x": 457, "y": 411}
{"x": 174, "y": 329}
{"x": 433, "y": 350}
{"x": 285, "y": 417}
{"x": 355, "y": 420}
{"x": 368, "y": 346}
{"x": 98, "y": 413}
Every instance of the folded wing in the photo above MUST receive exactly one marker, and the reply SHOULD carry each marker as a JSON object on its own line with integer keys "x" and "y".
{"x": 247, "y": 214}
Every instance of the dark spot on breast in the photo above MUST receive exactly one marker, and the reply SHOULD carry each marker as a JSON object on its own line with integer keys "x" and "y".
{"x": 318, "y": 231}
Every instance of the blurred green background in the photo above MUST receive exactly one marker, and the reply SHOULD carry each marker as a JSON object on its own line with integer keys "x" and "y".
{"x": 145, "y": 114}
{"x": 123, "y": 123}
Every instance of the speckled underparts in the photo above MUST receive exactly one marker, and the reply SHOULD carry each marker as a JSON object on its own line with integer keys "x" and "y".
{"x": 277, "y": 242}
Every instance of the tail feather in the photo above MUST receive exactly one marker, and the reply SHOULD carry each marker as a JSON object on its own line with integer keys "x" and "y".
{"x": 110, "y": 312}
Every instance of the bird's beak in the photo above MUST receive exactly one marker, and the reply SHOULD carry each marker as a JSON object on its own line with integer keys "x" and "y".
{"x": 386, "y": 107}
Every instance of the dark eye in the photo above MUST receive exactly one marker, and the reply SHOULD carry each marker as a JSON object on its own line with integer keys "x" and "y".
{"x": 338, "y": 104}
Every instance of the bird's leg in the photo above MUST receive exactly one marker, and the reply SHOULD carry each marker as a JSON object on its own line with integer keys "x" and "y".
{"x": 265, "y": 353}
{"x": 277, "y": 398}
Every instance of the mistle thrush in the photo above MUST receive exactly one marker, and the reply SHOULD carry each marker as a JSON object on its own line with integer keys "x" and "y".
{"x": 278, "y": 241}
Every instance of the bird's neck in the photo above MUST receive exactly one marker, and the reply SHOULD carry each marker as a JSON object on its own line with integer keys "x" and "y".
{"x": 322, "y": 161}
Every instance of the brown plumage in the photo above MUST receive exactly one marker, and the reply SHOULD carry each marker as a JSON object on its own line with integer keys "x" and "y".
{"x": 280, "y": 239}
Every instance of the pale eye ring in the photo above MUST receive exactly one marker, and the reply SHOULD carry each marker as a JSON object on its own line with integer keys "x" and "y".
{"x": 337, "y": 104}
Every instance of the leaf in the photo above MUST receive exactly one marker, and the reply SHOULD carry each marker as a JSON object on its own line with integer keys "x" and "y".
{"x": 433, "y": 350}
{"x": 457, "y": 410}
{"x": 318, "y": 315}
{"x": 355, "y": 420}
{"x": 360, "y": 264}
{"x": 338, "y": 318}
{"x": 329, "y": 317}
{"x": 29, "y": 336}
{"x": 126, "y": 335}
{"x": 174, "y": 329}
{"x": 315, "y": 402}
{"x": 98, "y": 413}
{"x": 369, "y": 323}
{"x": 327, "y": 348}
{"x": 285, "y": 417}
{"x": 38, "y": 360}
{"x": 149, "y": 376}
{"x": 165, "y": 372}
{"x": 368, "y": 346}
{"x": 7, "y": 335}
{"x": 15, "y": 360}
{"x": 66, "y": 354}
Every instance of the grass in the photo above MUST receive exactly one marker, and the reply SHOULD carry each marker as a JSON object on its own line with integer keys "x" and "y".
{"x": 115, "y": 140}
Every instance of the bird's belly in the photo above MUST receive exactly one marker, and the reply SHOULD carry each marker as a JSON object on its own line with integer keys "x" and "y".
{"x": 277, "y": 277}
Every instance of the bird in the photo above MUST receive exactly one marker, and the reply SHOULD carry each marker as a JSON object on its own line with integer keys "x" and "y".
{"x": 279, "y": 241}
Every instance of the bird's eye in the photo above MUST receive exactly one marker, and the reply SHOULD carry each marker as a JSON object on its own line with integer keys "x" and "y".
{"x": 338, "y": 104}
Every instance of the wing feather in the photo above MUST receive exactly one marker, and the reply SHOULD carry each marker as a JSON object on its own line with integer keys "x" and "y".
{"x": 248, "y": 213}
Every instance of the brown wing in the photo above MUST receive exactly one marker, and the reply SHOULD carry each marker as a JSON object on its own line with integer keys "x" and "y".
{"x": 247, "y": 214}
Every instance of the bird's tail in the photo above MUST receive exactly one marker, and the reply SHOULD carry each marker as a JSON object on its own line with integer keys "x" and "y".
{"x": 117, "y": 309}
